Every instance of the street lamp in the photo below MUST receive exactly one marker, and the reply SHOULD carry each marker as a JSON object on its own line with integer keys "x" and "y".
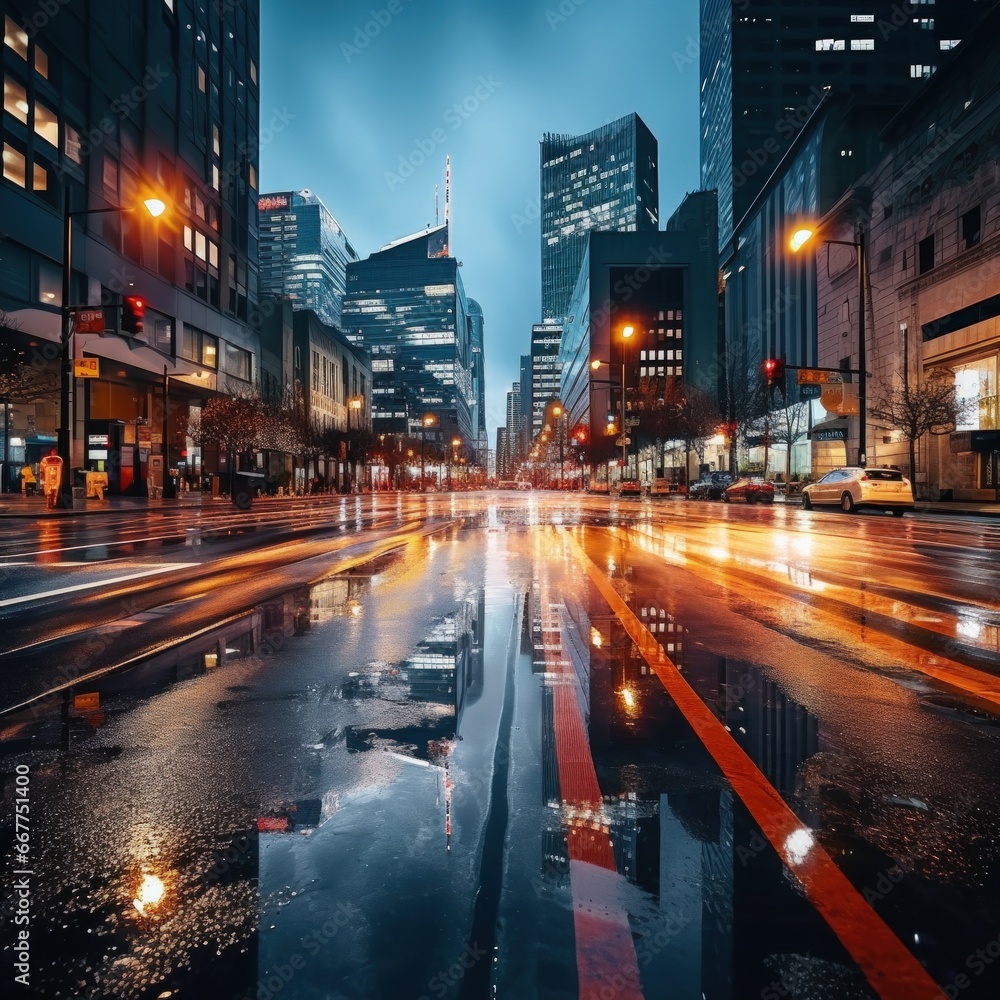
{"x": 559, "y": 413}
{"x": 67, "y": 382}
{"x": 355, "y": 403}
{"x": 456, "y": 443}
{"x": 627, "y": 332}
{"x": 428, "y": 420}
{"x": 798, "y": 240}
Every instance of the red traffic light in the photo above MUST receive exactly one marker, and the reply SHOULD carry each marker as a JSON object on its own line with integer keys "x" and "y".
{"x": 133, "y": 313}
{"x": 774, "y": 371}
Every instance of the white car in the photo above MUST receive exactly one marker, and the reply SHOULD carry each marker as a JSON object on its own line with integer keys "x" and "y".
{"x": 852, "y": 488}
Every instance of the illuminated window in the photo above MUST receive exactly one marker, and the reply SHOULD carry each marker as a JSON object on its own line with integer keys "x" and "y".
{"x": 920, "y": 71}
{"x": 13, "y": 165}
{"x": 863, "y": 18}
{"x": 862, "y": 44}
{"x": 15, "y": 100}
{"x": 41, "y": 62}
{"x": 46, "y": 124}
{"x": 39, "y": 178}
{"x": 950, "y": 43}
{"x": 15, "y": 37}
{"x": 72, "y": 145}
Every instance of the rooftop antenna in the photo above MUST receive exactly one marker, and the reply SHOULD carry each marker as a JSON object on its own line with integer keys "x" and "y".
{"x": 437, "y": 212}
{"x": 447, "y": 190}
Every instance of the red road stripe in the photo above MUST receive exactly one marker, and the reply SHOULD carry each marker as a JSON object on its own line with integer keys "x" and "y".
{"x": 892, "y": 970}
{"x": 605, "y": 953}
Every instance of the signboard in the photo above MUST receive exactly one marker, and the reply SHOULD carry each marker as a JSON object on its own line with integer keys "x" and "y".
{"x": 830, "y": 434}
{"x": 145, "y": 436}
{"x": 88, "y": 321}
{"x": 270, "y": 202}
{"x": 87, "y": 368}
{"x": 810, "y": 391}
{"x": 813, "y": 376}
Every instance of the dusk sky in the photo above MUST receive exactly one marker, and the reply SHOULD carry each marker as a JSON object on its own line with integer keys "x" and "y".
{"x": 348, "y": 97}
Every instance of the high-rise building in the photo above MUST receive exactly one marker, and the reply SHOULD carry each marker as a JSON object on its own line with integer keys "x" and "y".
{"x": 106, "y": 105}
{"x": 406, "y": 305}
{"x": 605, "y": 179}
{"x": 514, "y": 423}
{"x": 481, "y": 443}
{"x": 765, "y": 67}
{"x": 545, "y": 371}
{"x": 303, "y": 253}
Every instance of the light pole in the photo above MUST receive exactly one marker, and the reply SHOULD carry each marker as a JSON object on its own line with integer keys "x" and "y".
{"x": 559, "y": 413}
{"x": 355, "y": 403}
{"x": 456, "y": 443}
{"x": 67, "y": 382}
{"x": 428, "y": 420}
{"x": 799, "y": 239}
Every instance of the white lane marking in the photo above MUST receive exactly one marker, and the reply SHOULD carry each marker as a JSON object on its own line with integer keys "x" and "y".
{"x": 96, "y": 583}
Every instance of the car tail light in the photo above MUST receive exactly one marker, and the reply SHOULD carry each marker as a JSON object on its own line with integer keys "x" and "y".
{"x": 862, "y": 478}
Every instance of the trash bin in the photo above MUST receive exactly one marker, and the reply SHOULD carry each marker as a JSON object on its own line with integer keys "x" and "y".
{"x": 245, "y": 485}
{"x": 79, "y": 497}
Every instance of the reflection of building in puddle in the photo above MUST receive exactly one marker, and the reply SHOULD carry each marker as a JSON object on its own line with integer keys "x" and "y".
{"x": 303, "y": 816}
{"x": 445, "y": 669}
{"x": 776, "y": 733}
{"x": 337, "y": 597}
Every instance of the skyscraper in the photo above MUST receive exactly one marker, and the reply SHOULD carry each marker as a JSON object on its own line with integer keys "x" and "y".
{"x": 605, "y": 179}
{"x": 545, "y": 371}
{"x": 303, "y": 253}
{"x": 406, "y": 304}
{"x": 481, "y": 443}
{"x": 765, "y": 67}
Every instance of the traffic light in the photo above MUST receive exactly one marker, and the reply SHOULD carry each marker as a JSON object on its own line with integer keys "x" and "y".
{"x": 133, "y": 311}
{"x": 774, "y": 372}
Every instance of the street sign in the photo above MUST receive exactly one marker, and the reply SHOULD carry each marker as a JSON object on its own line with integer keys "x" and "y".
{"x": 810, "y": 391}
{"x": 88, "y": 320}
{"x": 632, "y": 422}
{"x": 87, "y": 368}
{"x": 814, "y": 376}
{"x": 623, "y": 441}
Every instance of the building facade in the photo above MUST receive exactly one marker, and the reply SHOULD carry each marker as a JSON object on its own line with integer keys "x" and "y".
{"x": 479, "y": 446}
{"x": 765, "y": 67}
{"x": 106, "y": 105}
{"x": 546, "y": 369}
{"x": 603, "y": 180}
{"x": 930, "y": 212}
{"x": 303, "y": 253}
{"x": 406, "y": 306}
{"x": 663, "y": 285}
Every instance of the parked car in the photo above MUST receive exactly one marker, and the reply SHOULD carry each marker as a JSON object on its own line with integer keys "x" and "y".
{"x": 710, "y": 487}
{"x": 750, "y": 490}
{"x": 853, "y": 488}
{"x": 630, "y": 488}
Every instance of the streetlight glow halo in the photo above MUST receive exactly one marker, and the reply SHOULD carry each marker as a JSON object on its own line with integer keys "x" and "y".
{"x": 800, "y": 237}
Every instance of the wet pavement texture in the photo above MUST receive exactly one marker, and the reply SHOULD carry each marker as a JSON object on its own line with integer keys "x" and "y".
{"x": 530, "y": 755}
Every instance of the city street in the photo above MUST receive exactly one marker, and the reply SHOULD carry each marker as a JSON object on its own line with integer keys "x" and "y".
{"x": 511, "y": 744}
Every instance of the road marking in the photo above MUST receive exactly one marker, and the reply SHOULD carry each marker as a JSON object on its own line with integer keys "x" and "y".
{"x": 96, "y": 583}
{"x": 605, "y": 952}
{"x": 889, "y": 966}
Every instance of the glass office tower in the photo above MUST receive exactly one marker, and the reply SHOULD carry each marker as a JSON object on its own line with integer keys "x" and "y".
{"x": 766, "y": 66}
{"x": 606, "y": 180}
{"x": 406, "y": 305}
{"x": 303, "y": 253}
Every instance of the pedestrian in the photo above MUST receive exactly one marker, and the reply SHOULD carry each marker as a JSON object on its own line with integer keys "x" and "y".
{"x": 29, "y": 483}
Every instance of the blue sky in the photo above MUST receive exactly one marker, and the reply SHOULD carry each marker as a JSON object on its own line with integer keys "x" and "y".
{"x": 355, "y": 92}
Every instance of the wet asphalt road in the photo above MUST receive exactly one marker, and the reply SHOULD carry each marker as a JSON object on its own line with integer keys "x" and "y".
{"x": 528, "y": 745}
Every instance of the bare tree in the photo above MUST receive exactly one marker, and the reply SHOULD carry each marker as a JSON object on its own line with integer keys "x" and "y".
{"x": 930, "y": 407}
{"x": 790, "y": 425}
{"x": 21, "y": 381}
{"x": 698, "y": 419}
{"x": 236, "y": 424}
{"x": 746, "y": 393}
